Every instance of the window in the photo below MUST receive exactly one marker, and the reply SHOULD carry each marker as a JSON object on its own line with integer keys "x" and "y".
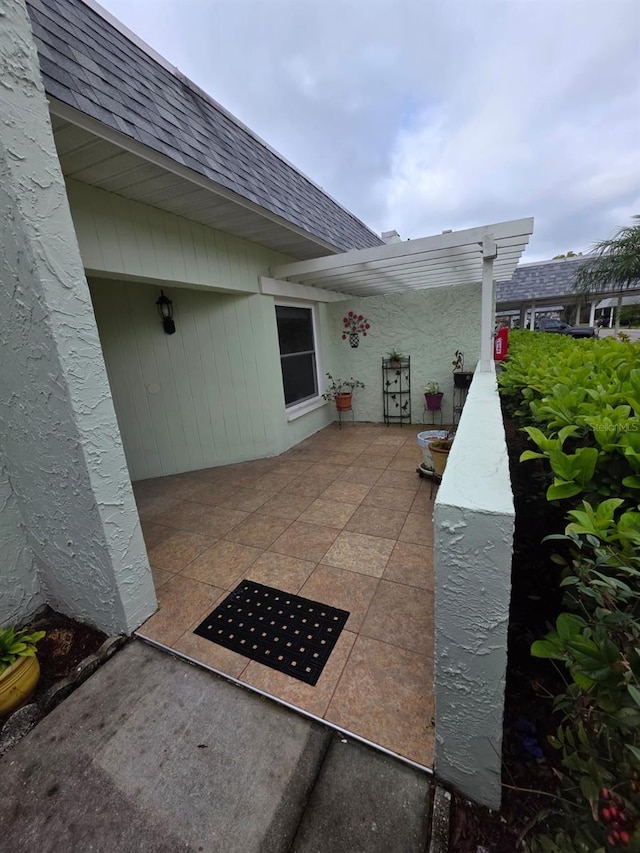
{"x": 296, "y": 334}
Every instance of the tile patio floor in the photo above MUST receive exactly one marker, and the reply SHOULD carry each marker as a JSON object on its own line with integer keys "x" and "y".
{"x": 341, "y": 518}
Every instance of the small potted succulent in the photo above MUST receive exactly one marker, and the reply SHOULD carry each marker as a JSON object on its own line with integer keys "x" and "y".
{"x": 341, "y": 391}
{"x": 395, "y": 358}
{"x": 461, "y": 377}
{"x": 19, "y": 667}
{"x": 433, "y": 396}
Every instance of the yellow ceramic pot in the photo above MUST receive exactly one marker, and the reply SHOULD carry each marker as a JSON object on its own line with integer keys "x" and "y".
{"x": 439, "y": 456}
{"x": 17, "y": 683}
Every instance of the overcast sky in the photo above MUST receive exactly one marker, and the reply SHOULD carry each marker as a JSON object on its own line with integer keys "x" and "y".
{"x": 422, "y": 115}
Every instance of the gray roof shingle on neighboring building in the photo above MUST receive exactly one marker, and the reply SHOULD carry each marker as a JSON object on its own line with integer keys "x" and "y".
{"x": 88, "y": 64}
{"x": 544, "y": 280}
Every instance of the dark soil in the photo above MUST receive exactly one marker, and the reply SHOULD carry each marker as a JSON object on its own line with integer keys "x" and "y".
{"x": 528, "y": 760}
{"x": 65, "y": 645}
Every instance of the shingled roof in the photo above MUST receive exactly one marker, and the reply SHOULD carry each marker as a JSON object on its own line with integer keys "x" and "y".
{"x": 540, "y": 281}
{"x": 90, "y": 65}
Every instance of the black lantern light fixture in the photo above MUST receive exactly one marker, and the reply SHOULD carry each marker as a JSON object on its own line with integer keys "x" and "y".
{"x": 165, "y": 310}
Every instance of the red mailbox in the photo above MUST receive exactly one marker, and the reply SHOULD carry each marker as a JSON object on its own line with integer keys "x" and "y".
{"x": 501, "y": 344}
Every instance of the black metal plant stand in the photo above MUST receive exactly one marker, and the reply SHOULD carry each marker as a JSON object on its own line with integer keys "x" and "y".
{"x": 396, "y": 391}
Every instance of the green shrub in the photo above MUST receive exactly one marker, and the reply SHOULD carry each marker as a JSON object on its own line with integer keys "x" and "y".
{"x": 579, "y": 403}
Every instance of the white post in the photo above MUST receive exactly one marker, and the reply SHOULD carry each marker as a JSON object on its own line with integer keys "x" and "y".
{"x": 578, "y": 314}
{"x": 592, "y": 314}
{"x": 611, "y": 317}
{"x": 618, "y": 310}
{"x": 487, "y": 314}
{"x": 532, "y": 319}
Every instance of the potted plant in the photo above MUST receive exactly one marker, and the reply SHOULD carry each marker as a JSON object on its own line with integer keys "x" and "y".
{"x": 19, "y": 667}
{"x": 341, "y": 391}
{"x": 395, "y": 358}
{"x": 439, "y": 450}
{"x": 433, "y": 396}
{"x": 461, "y": 377}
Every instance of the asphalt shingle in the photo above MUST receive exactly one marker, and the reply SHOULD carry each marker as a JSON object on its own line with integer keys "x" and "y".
{"x": 90, "y": 65}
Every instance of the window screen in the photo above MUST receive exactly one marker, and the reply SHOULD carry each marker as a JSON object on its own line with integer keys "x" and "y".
{"x": 297, "y": 353}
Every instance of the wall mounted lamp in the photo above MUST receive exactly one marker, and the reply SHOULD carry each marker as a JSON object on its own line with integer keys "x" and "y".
{"x": 165, "y": 310}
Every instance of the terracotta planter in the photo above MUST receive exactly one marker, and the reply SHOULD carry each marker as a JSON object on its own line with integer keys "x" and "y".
{"x": 17, "y": 683}
{"x": 343, "y": 402}
{"x": 434, "y": 401}
{"x": 439, "y": 455}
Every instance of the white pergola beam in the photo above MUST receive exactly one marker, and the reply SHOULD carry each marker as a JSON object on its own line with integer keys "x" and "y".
{"x": 291, "y": 290}
{"x": 408, "y": 248}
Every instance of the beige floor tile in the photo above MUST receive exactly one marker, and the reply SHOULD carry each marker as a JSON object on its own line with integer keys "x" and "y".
{"x": 359, "y": 552}
{"x": 154, "y": 534}
{"x": 182, "y": 602}
{"x": 377, "y": 522}
{"x": 246, "y": 500}
{"x": 223, "y": 565}
{"x": 325, "y": 471}
{"x": 399, "y": 479}
{"x": 160, "y": 577}
{"x": 411, "y": 564}
{"x": 273, "y": 482}
{"x": 284, "y": 505}
{"x": 178, "y": 550}
{"x": 305, "y": 541}
{"x": 385, "y": 694}
{"x": 313, "y": 699}
{"x": 280, "y": 571}
{"x": 388, "y": 497}
{"x": 292, "y": 467}
{"x": 211, "y": 654}
{"x": 359, "y": 474}
{"x": 199, "y": 518}
{"x": 391, "y": 439}
{"x": 403, "y": 463}
{"x": 149, "y": 506}
{"x": 328, "y": 513}
{"x": 308, "y": 487}
{"x": 344, "y": 492}
{"x": 402, "y": 616}
{"x": 258, "y": 530}
{"x": 377, "y": 458}
{"x": 340, "y": 588}
{"x": 213, "y": 494}
{"x": 423, "y": 501}
{"x": 340, "y": 458}
{"x": 418, "y": 528}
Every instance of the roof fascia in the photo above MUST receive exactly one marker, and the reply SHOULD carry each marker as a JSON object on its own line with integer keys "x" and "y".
{"x": 102, "y": 131}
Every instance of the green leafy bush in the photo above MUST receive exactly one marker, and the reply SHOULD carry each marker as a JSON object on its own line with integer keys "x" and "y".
{"x": 579, "y": 403}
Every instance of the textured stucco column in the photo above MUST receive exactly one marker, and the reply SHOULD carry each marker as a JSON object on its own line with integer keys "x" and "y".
{"x": 474, "y": 523}
{"x": 58, "y": 430}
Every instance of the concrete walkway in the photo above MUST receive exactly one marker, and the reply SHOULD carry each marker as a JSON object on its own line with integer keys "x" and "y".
{"x": 152, "y": 754}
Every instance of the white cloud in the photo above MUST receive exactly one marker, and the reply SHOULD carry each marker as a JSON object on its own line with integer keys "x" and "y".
{"x": 421, "y": 115}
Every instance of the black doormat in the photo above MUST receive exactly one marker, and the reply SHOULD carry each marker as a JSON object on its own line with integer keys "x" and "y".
{"x": 286, "y": 632}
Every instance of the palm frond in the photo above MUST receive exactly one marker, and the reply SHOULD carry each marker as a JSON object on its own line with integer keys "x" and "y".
{"x": 613, "y": 264}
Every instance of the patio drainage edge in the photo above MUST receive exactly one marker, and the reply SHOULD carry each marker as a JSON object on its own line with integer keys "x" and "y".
{"x": 182, "y": 656}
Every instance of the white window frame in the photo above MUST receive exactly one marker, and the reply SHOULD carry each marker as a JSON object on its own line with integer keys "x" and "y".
{"x": 297, "y": 410}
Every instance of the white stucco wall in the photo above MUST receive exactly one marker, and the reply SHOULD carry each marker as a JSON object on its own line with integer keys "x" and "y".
{"x": 58, "y": 431}
{"x": 428, "y": 325}
{"x": 20, "y": 591}
{"x": 474, "y": 523}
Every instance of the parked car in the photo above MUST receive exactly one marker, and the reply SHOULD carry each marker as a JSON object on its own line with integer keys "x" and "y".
{"x": 547, "y": 324}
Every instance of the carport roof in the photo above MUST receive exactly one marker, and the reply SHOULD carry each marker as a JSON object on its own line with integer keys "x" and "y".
{"x": 454, "y": 257}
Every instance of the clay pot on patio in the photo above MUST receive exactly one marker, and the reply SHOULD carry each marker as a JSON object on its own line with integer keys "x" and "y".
{"x": 17, "y": 683}
{"x": 439, "y": 450}
{"x": 343, "y": 402}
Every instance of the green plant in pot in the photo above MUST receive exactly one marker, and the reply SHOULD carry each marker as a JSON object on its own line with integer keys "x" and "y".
{"x": 439, "y": 449}
{"x": 433, "y": 396}
{"x": 19, "y": 667}
{"x": 395, "y": 358}
{"x": 341, "y": 391}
